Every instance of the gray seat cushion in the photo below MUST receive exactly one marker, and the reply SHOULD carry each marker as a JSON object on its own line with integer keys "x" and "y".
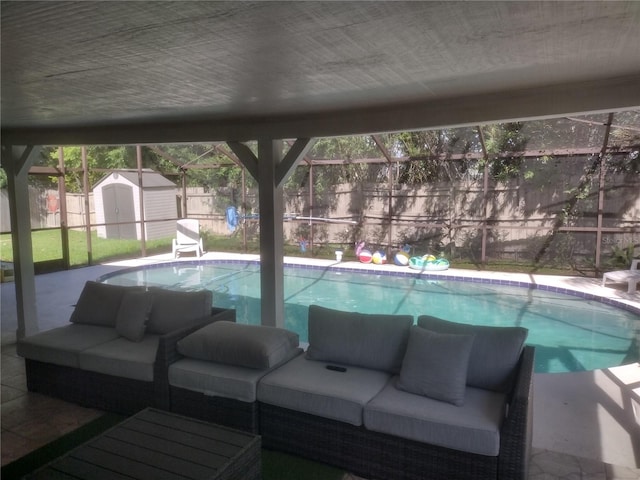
{"x": 363, "y": 340}
{"x": 494, "y": 354}
{"x": 307, "y": 386}
{"x": 218, "y": 380}
{"x": 473, "y": 428}
{"x": 123, "y": 358}
{"x": 62, "y": 345}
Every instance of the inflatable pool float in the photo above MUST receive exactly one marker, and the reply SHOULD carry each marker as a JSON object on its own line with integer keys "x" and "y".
{"x": 428, "y": 262}
{"x": 379, "y": 258}
{"x": 365, "y": 256}
{"x": 401, "y": 258}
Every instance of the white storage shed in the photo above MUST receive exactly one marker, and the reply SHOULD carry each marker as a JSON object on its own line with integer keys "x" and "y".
{"x": 117, "y": 204}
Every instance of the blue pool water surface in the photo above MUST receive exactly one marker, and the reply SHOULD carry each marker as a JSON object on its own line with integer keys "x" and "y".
{"x": 570, "y": 333}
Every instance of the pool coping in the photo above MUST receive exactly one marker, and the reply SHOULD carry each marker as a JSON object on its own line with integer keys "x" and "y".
{"x": 582, "y": 287}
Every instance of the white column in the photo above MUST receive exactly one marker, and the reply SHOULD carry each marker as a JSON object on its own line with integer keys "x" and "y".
{"x": 271, "y": 169}
{"x": 16, "y": 162}
{"x": 271, "y": 233}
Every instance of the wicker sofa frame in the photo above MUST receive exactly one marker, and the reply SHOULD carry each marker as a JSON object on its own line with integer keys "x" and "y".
{"x": 114, "y": 393}
{"x": 224, "y": 411}
{"x": 381, "y": 456}
{"x": 231, "y": 412}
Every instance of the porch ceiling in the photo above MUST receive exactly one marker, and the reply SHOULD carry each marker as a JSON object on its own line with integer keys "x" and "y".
{"x": 127, "y": 72}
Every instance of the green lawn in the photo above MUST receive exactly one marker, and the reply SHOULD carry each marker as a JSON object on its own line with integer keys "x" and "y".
{"x": 47, "y": 246}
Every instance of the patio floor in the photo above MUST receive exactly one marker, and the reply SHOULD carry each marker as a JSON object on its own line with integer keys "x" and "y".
{"x": 586, "y": 425}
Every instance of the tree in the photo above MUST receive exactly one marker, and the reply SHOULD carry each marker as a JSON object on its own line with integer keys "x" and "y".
{"x": 430, "y": 153}
{"x": 97, "y": 158}
{"x": 220, "y": 172}
{"x": 347, "y": 149}
{"x": 500, "y": 140}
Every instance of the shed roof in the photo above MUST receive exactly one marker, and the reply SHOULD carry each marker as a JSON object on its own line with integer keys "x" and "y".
{"x": 150, "y": 179}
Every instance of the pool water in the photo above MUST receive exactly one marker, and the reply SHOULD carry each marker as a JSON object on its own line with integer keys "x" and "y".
{"x": 570, "y": 333}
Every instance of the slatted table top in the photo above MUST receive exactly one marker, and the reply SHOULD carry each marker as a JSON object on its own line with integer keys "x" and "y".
{"x": 155, "y": 444}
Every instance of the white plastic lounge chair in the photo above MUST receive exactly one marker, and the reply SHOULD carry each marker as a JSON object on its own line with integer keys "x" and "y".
{"x": 187, "y": 237}
{"x": 631, "y": 276}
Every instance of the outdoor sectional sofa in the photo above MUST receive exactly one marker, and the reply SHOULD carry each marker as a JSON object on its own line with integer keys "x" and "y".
{"x": 218, "y": 375}
{"x": 115, "y": 352}
{"x": 373, "y": 394}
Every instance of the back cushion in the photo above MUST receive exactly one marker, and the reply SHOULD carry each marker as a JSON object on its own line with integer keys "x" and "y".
{"x": 494, "y": 354}
{"x": 363, "y": 340}
{"x": 172, "y": 309}
{"x": 436, "y": 365}
{"x": 133, "y": 315}
{"x": 99, "y": 304}
{"x": 251, "y": 346}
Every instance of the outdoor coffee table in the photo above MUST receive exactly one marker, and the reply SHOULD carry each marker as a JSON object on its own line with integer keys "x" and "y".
{"x": 154, "y": 444}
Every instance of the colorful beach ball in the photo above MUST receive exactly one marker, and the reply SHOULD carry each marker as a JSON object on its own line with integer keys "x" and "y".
{"x": 379, "y": 258}
{"x": 365, "y": 256}
{"x": 401, "y": 258}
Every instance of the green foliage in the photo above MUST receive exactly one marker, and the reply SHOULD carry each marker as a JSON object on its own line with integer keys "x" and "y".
{"x": 3, "y": 178}
{"x": 500, "y": 140}
{"x": 626, "y": 136}
{"x": 97, "y": 158}
{"x": 346, "y": 148}
{"x": 170, "y": 161}
{"x": 622, "y": 256}
{"x": 342, "y": 148}
{"x": 222, "y": 172}
{"x": 430, "y": 154}
{"x": 626, "y": 164}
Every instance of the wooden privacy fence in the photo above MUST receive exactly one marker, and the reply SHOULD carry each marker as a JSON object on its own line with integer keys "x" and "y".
{"x": 463, "y": 219}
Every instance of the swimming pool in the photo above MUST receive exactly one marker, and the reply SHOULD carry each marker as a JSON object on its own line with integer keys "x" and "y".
{"x": 570, "y": 333}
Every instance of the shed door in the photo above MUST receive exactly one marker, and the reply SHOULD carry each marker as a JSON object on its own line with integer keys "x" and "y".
{"x": 118, "y": 210}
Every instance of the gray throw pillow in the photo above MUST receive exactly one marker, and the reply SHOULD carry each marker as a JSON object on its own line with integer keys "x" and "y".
{"x": 251, "y": 346}
{"x": 363, "y": 340}
{"x": 494, "y": 355}
{"x": 435, "y": 365}
{"x": 99, "y": 304}
{"x": 133, "y": 315}
{"x": 174, "y": 309}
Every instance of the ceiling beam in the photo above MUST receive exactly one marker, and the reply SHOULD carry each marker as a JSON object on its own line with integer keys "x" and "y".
{"x": 599, "y": 96}
{"x": 246, "y": 157}
{"x": 296, "y": 153}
